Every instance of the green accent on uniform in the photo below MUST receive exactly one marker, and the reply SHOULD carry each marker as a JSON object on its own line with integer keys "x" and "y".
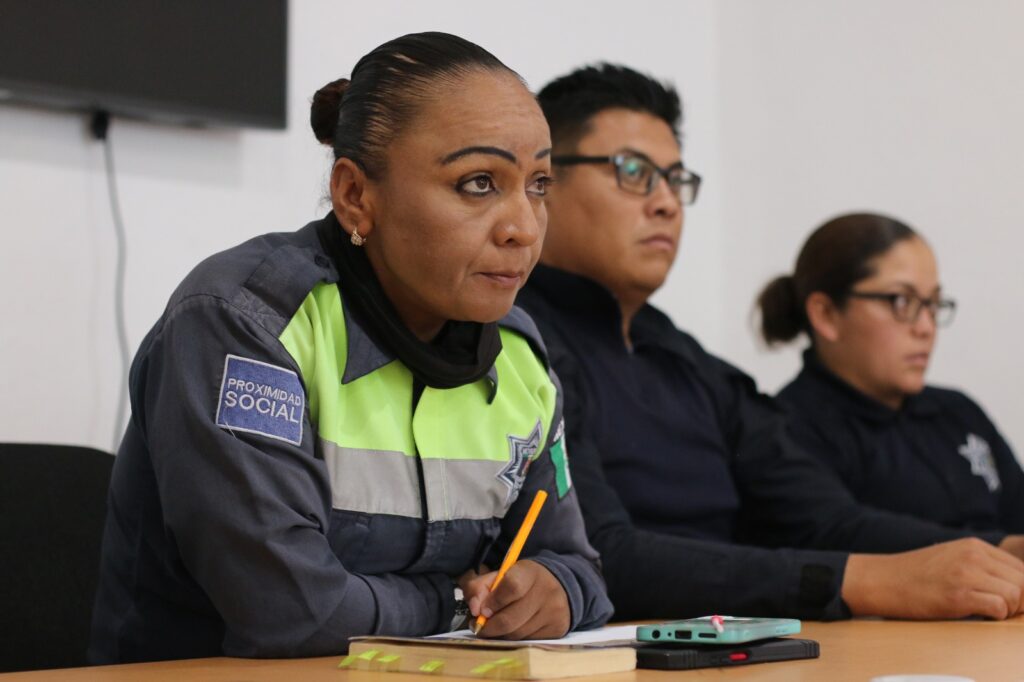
{"x": 376, "y": 415}
{"x": 561, "y": 463}
{"x": 317, "y": 341}
{"x": 374, "y": 412}
{"x": 525, "y": 393}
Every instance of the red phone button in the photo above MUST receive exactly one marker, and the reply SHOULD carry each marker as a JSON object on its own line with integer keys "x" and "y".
{"x": 737, "y": 657}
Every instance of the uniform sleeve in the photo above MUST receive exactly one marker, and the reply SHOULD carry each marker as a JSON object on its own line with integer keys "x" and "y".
{"x": 823, "y": 437}
{"x": 657, "y": 575}
{"x": 792, "y": 499}
{"x": 1011, "y": 497}
{"x": 558, "y": 540}
{"x": 249, "y": 509}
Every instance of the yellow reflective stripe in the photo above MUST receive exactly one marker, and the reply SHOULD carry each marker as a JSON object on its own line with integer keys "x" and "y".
{"x": 315, "y": 337}
{"x": 458, "y": 423}
{"x": 369, "y": 426}
{"x": 372, "y": 412}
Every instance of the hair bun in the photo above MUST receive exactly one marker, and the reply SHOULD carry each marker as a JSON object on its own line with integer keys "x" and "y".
{"x": 782, "y": 315}
{"x": 323, "y": 113}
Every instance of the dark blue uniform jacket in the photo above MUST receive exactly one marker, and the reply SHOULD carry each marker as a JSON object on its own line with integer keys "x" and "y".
{"x": 939, "y": 457}
{"x": 239, "y": 542}
{"x": 690, "y": 485}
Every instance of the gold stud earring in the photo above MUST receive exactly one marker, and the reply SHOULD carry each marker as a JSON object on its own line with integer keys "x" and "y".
{"x": 357, "y": 239}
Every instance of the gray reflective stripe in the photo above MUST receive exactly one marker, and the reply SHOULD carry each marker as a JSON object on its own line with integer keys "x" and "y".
{"x": 386, "y": 482}
{"x": 481, "y": 494}
{"x": 372, "y": 481}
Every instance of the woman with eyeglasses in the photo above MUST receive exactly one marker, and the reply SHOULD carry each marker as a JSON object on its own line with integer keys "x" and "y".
{"x": 866, "y": 292}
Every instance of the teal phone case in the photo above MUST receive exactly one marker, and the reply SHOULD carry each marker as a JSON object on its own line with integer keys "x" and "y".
{"x": 702, "y": 631}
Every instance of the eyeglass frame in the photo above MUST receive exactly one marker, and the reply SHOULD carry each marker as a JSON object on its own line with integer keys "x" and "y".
{"x": 691, "y": 178}
{"x": 932, "y": 304}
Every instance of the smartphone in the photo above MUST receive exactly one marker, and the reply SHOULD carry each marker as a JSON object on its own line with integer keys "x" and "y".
{"x": 688, "y": 656}
{"x": 703, "y": 631}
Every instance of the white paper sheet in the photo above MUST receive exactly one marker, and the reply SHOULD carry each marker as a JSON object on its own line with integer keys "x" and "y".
{"x": 601, "y": 636}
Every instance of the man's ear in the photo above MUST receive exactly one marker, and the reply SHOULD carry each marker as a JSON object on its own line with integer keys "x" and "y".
{"x": 351, "y": 197}
{"x": 823, "y": 315}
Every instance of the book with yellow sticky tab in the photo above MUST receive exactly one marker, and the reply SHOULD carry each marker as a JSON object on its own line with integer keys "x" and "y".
{"x": 460, "y": 654}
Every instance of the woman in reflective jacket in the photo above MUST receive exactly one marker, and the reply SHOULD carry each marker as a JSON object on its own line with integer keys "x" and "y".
{"x": 334, "y": 429}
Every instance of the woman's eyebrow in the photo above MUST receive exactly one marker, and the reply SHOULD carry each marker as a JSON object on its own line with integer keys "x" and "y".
{"x": 493, "y": 151}
{"x": 908, "y": 286}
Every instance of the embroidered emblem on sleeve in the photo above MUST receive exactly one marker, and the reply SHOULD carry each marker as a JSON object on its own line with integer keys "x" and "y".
{"x": 520, "y": 452}
{"x": 257, "y": 397}
{"x": 978, "y": 453}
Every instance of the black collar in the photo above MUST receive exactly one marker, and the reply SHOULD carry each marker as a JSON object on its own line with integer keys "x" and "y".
{"x": 852, "y": 400}
{"x": 590, "y": 306}
{"x": 464, "y": 352}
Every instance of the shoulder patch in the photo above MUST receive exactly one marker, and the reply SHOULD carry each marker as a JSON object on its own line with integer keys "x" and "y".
{"x": 257, "y": 397}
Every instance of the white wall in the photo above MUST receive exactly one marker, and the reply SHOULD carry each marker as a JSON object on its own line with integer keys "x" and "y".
{"x": 795, "y": 110}
{"x": 187, "y": 193}
{"x": 911, "y": 107}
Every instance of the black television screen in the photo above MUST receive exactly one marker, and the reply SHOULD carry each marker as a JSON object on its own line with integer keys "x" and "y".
{"x": 199, "y": 62}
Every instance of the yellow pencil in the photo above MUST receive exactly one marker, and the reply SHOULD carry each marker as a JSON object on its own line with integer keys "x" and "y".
{"x": 512, "y": 555}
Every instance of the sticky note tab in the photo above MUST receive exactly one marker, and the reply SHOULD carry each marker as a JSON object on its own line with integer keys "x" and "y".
{"x": 388, "y": 663}
{"x": 483, "y": 669}
{"x": 368, "y": 655}
{"x": 494, "y": 668}
{"x": 347, "y": 661}
{"x": 432, "y": 666}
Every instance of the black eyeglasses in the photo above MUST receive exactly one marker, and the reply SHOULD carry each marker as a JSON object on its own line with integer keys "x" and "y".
{"x": 637, "y": 174}
{"x": 908, "y": 307}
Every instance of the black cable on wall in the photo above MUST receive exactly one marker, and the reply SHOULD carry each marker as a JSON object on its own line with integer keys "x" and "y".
{"x": 100, "y": 127}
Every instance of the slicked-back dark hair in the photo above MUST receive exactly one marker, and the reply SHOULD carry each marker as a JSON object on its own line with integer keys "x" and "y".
{"x": 571, "y": 101}
{"x": 360, "y": 116}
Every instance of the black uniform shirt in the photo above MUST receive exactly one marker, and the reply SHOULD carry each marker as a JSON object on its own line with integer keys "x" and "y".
{"x": 649, "y": 404}
{"x": 676, "y": 458}
{"x": 938, "y": 457}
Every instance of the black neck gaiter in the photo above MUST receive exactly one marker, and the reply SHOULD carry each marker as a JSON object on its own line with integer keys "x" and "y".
{"x": 460, "y": 354}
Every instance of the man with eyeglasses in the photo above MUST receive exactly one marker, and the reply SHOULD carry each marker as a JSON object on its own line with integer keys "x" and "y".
{"x": 677, "y": 459}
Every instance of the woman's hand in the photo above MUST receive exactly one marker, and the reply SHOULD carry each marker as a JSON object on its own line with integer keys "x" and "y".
{"x": 528, "y": 604}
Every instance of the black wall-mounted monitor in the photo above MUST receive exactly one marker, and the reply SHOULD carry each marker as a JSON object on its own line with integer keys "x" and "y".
{"x": 193, "y": 62}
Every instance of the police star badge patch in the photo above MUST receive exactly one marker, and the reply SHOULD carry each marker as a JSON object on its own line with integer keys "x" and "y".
{"x": 520, "y": 452}
{"x": 979, "y": 454}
